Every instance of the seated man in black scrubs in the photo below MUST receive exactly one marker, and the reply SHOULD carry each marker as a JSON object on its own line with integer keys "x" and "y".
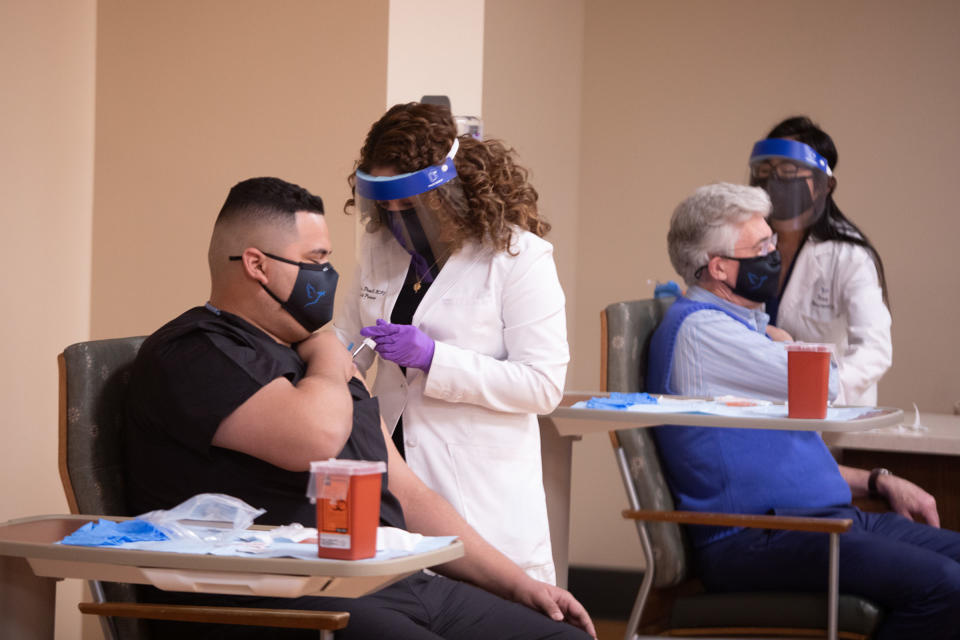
{"x": 238, "y": 396}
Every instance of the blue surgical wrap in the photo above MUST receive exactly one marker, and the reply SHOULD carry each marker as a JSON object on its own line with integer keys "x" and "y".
{"x": 107, "y": 533}
{"x": 619, "y": 400}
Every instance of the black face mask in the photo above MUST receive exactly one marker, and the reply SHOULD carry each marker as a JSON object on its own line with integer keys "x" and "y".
{"x": 790, "y": 197}
{"x": 311, "y": 301}
{"x": 758, "y": 278}
{"x": 405, "y": 224}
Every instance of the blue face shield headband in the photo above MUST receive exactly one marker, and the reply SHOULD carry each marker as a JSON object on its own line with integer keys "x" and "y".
{"x": 795, "y": 177}
{"x": 407, "y": 185}
{"x": 791, "y": 150}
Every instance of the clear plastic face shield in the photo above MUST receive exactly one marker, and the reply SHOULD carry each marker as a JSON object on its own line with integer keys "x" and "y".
{"x": 795, "y": 177}
{"x": 411, "y": 206}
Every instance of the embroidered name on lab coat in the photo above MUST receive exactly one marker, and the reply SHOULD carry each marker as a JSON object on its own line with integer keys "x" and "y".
{"x": 821, "y": 294}
{"x": 367, "y": 293}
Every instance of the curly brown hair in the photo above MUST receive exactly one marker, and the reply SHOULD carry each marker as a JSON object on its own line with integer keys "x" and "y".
{"x": 496, "y": 193}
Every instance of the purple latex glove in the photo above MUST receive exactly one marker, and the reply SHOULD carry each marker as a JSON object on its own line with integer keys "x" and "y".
{"x": 402, "y": 343}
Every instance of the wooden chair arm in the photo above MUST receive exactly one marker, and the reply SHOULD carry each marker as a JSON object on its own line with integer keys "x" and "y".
{"x": 790, "y": 523}
{"x": 287, "y": 618}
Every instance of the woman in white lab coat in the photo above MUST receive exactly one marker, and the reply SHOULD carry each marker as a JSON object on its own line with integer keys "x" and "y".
{"x": 832, "y": 284}
{"x": 459, "y": 290}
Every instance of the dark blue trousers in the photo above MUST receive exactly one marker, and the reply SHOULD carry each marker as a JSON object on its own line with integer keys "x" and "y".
{"x": 911, "y": 570}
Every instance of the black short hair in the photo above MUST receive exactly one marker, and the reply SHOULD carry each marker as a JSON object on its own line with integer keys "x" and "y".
{"x": 268, "y": 199}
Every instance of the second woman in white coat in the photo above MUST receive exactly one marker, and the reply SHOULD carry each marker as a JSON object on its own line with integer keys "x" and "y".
{"x": 832, "y": 285}
{"x": 459, "y": 290}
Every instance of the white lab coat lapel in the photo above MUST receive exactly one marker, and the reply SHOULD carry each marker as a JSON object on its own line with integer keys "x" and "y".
{"x": 822, "y": 255}
{"x": 806, "y": 270}
{"x": 457, "y": 267}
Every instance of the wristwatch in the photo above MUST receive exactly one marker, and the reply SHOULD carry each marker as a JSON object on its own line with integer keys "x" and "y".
{"x": 872, "y": 482}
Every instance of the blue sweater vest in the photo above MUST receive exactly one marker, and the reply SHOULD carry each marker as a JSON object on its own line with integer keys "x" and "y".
{"x": 736, "y": 470}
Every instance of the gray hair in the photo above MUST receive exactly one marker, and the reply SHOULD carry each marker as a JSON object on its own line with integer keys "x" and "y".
{"x": 706, "y": 224}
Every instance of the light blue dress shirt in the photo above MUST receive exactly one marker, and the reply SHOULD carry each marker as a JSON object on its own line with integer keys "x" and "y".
{"x": 715, "y": 356}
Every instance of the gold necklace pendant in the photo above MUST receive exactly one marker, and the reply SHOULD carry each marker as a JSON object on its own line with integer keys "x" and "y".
{"x": 416, "y": 285}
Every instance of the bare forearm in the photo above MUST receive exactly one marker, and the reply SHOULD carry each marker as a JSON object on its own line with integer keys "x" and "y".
{"x": 482, "y": 564}
{"x": 426, "y": 512}
{"x": 904, "y": 497}
{"x": 857, "y": 479}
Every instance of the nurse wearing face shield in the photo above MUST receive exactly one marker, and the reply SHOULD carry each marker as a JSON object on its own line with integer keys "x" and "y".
{"x": 832, "y": 284}
{"x": 458, "y": 289}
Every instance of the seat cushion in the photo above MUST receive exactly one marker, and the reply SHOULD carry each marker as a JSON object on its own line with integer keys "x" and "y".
{"x": 773, "y": 610}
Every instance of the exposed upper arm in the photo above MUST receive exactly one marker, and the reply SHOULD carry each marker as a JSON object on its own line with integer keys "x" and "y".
{"x": 287, "y": 425}
{"x": 403, "y": 482}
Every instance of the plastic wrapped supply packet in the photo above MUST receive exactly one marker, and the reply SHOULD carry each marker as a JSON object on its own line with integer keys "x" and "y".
{"x": 207, "y": 517}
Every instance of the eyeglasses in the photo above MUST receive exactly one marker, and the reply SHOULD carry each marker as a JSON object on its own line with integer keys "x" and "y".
{"x": 784, "y": 170}
{"x": 763, "y": 247}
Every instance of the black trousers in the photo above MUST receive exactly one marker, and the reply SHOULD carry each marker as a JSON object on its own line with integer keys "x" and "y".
{"x": 421, "y": 607}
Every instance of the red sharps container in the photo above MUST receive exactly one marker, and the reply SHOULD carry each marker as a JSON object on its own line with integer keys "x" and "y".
{"x": 808, "y": 378}
{"x": 347, "y": 494}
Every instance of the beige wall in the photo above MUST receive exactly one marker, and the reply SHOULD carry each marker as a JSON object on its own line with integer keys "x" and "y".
{"x": 674, "y": 95}
{"x": 436, "y": 49}
{"x": 533, "y": 76}
{"x": 193, "y": 97}
{"x": 46, "y": 164}
{"x": 531, "y": 86}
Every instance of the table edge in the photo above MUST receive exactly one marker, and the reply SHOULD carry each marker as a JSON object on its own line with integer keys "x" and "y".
{"x": 198, "y": 562}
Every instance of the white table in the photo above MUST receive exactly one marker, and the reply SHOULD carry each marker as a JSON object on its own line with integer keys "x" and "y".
{"x": 941, "y": 436}
{"x": 929, "y": 458}
{"x": 30, "y": 564}
{"x": 572, "y": 421}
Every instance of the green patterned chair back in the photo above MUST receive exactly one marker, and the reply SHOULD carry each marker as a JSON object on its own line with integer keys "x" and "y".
{"x": 93, "y": 382}
{"x": 628, "y": 327}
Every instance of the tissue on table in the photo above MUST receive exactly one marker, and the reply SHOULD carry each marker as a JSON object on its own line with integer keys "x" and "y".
{"x": 393, "y": 539}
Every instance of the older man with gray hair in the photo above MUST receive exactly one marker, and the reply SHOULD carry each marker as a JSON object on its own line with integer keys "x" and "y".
{"x": 715, "y": 340}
